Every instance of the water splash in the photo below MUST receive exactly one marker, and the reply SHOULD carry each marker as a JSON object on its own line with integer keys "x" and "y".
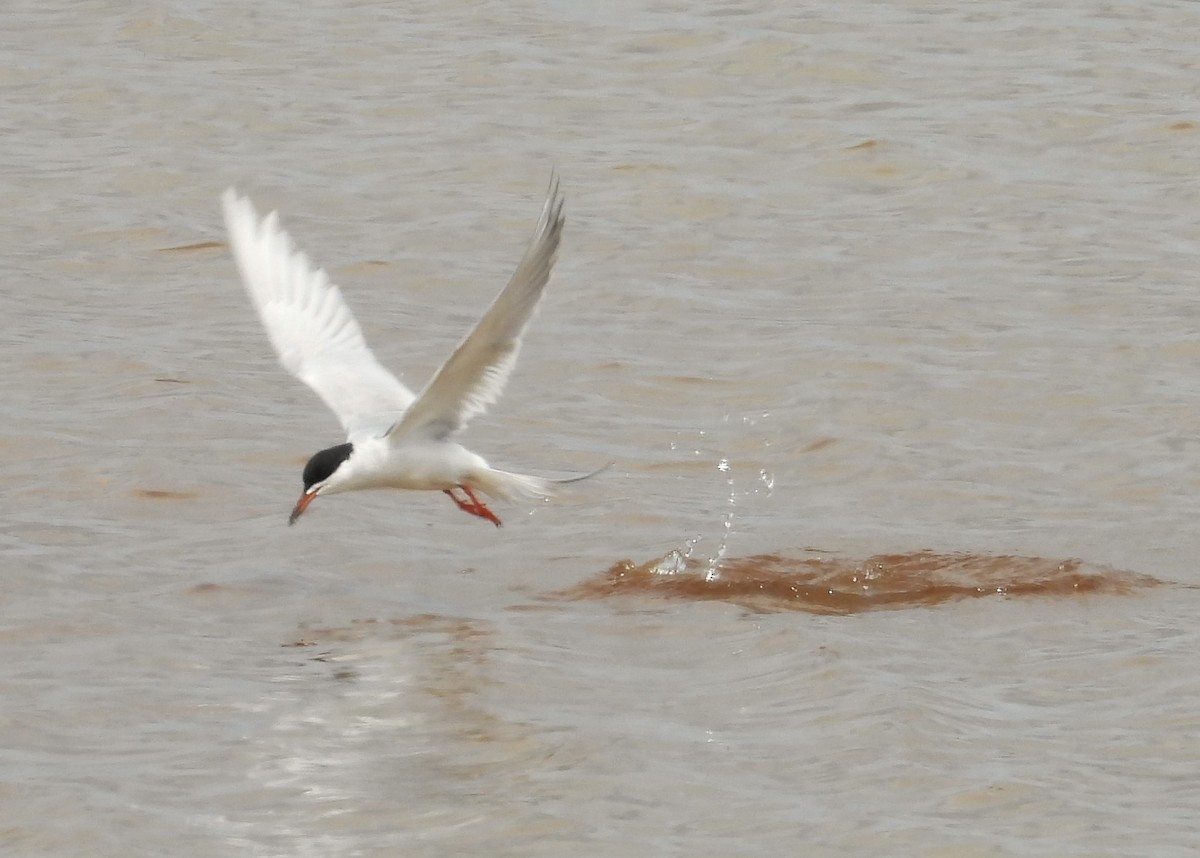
{"x": 674, "y": 562}
{"x": 763, "y": 486}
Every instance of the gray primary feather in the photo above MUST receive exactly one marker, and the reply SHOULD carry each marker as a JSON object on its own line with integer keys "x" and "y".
{"x": 474, "y": 376}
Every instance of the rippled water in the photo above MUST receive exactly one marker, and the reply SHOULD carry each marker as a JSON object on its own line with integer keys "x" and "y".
{"x": 897, "y": 296}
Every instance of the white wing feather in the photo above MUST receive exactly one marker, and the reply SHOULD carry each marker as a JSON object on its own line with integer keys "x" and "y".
{"x": 314, "y": 333}
{"x": 474, "y": 376}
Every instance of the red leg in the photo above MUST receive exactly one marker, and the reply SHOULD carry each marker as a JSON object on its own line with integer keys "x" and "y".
{"x": 474, "y": 505}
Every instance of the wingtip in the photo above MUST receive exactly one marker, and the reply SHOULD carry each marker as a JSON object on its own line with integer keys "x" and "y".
{"x": 552, "y": 211}
{"x": 237, "y": 208}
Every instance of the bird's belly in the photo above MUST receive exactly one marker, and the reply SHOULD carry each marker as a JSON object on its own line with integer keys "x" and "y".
{"x": 414, "y": 481}
{"x": 424, "y": 469}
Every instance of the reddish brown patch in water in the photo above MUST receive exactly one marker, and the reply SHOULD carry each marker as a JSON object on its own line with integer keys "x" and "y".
{"x": 199, "y": 245}
{"x": 208, "y": 588}
{"x": 819, "y": 444}
{"x": 162, "y": 494}
{"x": 771, "y": 582}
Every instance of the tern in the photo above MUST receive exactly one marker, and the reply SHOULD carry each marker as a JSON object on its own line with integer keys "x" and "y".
{"x": 394, "y": 439}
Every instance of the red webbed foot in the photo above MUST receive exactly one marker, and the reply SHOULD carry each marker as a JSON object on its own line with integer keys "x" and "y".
{"x": 473, "y": 505}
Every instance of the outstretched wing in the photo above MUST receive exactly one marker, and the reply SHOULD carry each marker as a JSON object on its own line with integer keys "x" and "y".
{"x": 313, "y": 331}
{"x": 474, "y": 376}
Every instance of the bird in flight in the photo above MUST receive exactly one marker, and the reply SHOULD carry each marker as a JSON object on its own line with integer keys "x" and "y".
{"x": 394, "y": 439}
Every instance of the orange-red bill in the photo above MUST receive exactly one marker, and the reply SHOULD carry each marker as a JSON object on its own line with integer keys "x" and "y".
{"x": 301, "y": 506}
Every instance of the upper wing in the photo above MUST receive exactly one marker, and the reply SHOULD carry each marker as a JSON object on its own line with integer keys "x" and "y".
{"x": 310, "y": 326}
{"x": 473, "y": 377}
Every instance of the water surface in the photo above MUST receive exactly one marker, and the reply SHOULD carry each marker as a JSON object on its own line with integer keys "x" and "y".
{"x": 839, "y": 284}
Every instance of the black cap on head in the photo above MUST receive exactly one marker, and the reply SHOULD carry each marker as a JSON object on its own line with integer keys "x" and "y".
{"x": 322, "y": 465}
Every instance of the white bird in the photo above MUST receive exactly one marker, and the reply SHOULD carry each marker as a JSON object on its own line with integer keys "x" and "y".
{"x": 393, "y": 438}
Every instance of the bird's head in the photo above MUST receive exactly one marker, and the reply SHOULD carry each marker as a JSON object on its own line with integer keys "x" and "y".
{"x": 321, "y": 473}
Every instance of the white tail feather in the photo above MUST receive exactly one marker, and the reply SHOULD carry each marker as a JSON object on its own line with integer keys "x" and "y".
{"x": 505, "y": 485}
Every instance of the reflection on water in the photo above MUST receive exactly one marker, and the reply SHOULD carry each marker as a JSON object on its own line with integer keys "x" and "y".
{"x": 832, "y": 585}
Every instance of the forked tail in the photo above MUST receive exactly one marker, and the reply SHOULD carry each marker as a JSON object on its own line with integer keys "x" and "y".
{"x": 508, "y": 486}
